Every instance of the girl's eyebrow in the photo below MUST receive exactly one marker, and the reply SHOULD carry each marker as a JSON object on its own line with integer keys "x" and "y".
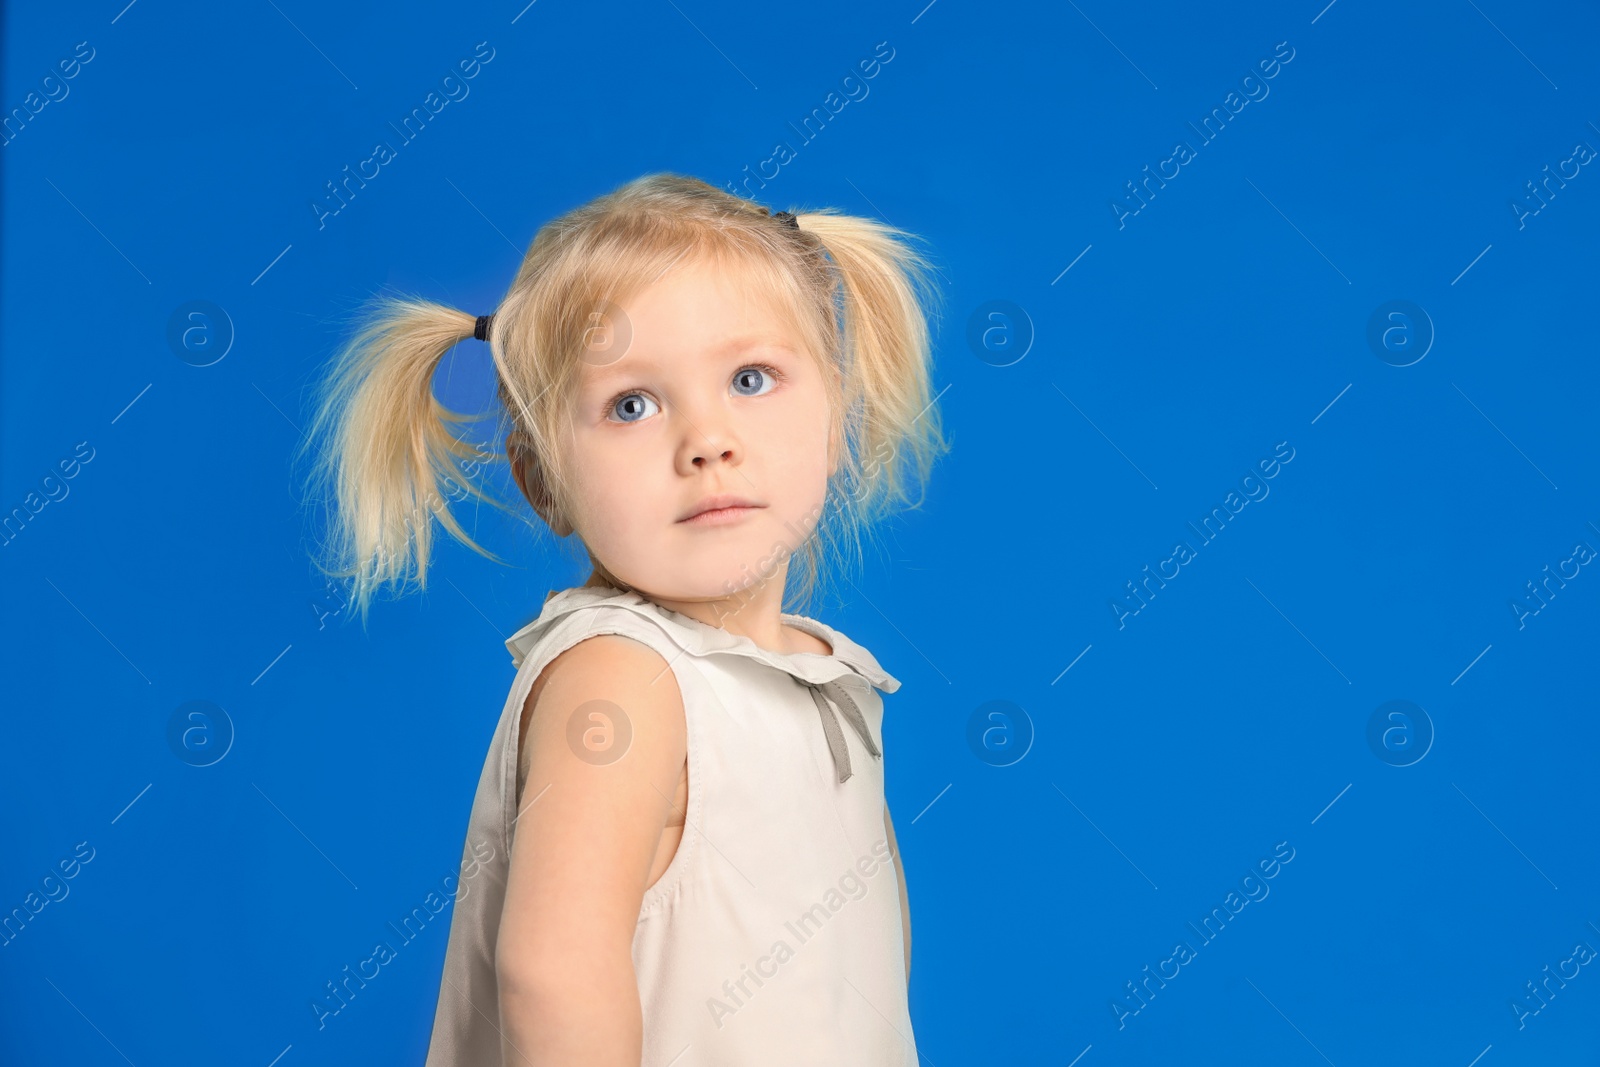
{"x": 743, "y": 344}
{"x": 636, "y": 363}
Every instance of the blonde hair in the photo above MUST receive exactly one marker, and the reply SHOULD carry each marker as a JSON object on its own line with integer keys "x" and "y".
{"x": 854, "y": 288}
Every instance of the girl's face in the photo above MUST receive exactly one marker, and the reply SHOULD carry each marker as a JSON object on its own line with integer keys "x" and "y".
{"x": 713, "y": 397}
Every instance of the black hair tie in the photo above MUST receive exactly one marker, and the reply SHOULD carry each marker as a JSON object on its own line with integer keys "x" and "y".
{"x": 481, "y": 330}
{"x": 782, "y": 216}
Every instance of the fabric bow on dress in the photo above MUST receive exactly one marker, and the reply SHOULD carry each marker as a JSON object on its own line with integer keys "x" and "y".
{"x": 821, "y": 694}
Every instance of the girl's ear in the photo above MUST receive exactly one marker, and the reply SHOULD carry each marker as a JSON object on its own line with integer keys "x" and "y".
{"x": 530, "y": 479}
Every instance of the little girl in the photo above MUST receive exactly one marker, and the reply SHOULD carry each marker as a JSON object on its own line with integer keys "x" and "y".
{"x": 679, "y": 851}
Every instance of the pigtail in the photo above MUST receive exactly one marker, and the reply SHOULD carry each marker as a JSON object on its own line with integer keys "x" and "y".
{"x": 386, "y": 457}
{"x": 885, "y": 294}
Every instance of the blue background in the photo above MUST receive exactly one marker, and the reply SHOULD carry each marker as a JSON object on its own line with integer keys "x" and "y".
{"x": 1229, "y": 314}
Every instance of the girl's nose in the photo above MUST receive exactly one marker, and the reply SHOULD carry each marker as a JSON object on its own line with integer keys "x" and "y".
{"x": 726, "y": 456}
{"x": 708, "y": 440}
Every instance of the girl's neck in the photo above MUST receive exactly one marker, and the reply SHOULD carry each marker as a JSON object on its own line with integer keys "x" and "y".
{"x": 754, "y": 613}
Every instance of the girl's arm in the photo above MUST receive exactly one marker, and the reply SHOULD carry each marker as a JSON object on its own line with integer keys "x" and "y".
{"x": 581, "y": 852}
{"x": 899, "y": 870}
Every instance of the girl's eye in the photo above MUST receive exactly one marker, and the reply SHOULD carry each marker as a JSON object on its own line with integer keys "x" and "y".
{"x": 757, "y": 379}
{"x": 632, "y": 407}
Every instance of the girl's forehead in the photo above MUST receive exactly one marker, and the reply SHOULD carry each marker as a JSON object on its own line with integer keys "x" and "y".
{"x": 725, "y": 280}
{"x": 709, "y": 305}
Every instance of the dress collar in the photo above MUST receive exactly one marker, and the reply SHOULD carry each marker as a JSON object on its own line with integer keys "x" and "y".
{"x": 702, "y": 639}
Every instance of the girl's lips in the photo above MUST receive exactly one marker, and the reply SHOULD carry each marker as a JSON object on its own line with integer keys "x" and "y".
{"x": 719, "y": 516}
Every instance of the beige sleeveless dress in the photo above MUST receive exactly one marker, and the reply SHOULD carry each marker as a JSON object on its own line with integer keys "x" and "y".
{"x": 774, "y": 936}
